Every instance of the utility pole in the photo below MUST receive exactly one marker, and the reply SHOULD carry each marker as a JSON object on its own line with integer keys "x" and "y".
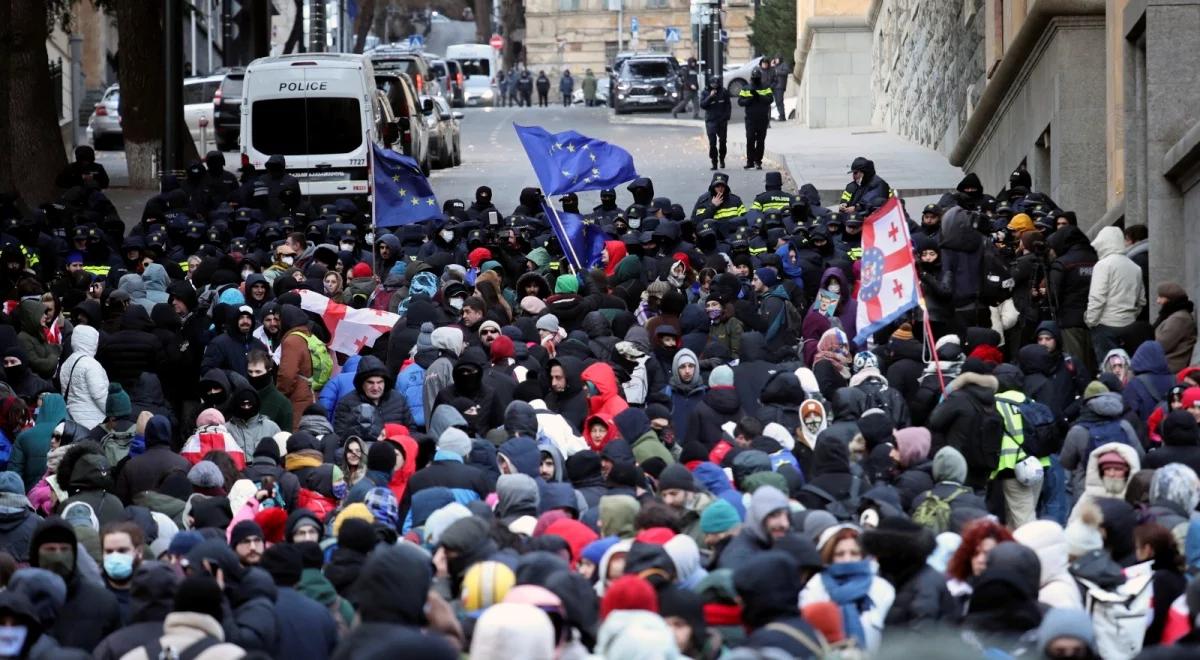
{"x": 172, "y": 86}
{"x": 316, "y": 27}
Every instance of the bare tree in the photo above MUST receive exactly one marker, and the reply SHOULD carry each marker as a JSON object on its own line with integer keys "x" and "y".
{"x": 483, "y": 20}
{"x": 29, "y": 131}
{"x": 362, "y": 23}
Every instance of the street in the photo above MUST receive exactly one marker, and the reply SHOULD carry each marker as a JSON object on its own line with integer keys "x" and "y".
{"x": 674, "y": 156}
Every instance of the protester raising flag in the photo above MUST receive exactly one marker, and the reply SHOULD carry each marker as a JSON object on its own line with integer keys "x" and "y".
{"x": 582, "y": 244}
{"x": 889, "y": 275}
{"x": 402, "y": 194}
{"x": 351, "y": 328}
{"x": 568, "y": 162}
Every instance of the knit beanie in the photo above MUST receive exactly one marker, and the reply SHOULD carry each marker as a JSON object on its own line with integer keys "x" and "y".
{"x": 206, "y": 474}
{"x": 722, "y": 376}
{"x": 381, "y": 457}
{"x": 200, "y": 594}
{"x": 282, "y": 561}
{"x": 356, "y": 511}
{"x": 549, "y": 323}
{"x": 566, "y": 284}
{"x": 267, "y": 448}
{"x": 1021, "y": 222}
{"x": 718, "y": 517}
{"x": 1083, "y": 531}
{"x": 502, "y": 349}
{"x": 1093, "y": 389}
{"x": 361, "y": 269}
{"x": 533, "y": 305}
{"x": 693, "y": 450}
{"x": 424, "y": 339}
{"x": 244, "y": 530}
{"x": 876, "y": 428}
{"x": 594, "y": 551}
{"x": 949, "y": 465}
{"x": 464, "y": 534}
{"x": 987, "y": 353}
{"x": 489, "y": 325}
{"x": 273, "y": 521}
{"x": 628, "y": 592}
{"x": 767, "y": 276}
{"x": 1171, "y": 291}
{"x": 118, "y": 404}
{"x": 382, "y": 504}
{"x": 356, "y": 533}
{"x": 903, "y": 333}
{"x": 454, "y": 441}
{"x": 676, "y": 476}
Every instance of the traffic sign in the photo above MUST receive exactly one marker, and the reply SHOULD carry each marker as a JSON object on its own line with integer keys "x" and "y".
{"x": 724, "y": 36}
{"x": 416, "y": 41}
{"x": 633, "y": 24}
{"x": 672, "y": 35}
{"x": 497, "y": 41}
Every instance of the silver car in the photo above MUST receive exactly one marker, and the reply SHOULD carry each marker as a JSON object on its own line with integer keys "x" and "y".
{"x": 445, "y": 146}
{"x": 104, "y": 126}
{"x": 737, "y": 76}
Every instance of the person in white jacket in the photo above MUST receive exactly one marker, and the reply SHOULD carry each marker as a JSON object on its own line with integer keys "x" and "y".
{"x": 851, "y": 581}
{"x": 83, "y": 382}
{"x": 1116, "y": 295}
{"x": 1048, "y": 539}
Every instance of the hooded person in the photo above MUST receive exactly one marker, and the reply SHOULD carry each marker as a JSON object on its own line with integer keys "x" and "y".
{"x": 1099, "y": 423}
{"x": 1115, "y": 295}
{"x": 471, "y": 394}
{"x": 82, "y": 380}
{"x": 449, "y": 342}
{"x": 147, "y": 470}
{"x": 1071, "y": 629}
{"x": 767, "y": 518}
{"x": 602, "y": 390}
{"x": 1180, "y": 442}
{"x": 85, "y": 475}
{"x": 29, "y": 450}
{"x": 464, "y": 543}
{"x": 1152, "y": 378}
{"x": 246, "y": 423}
{"x": 686, "y": 387}
{"x": 1109, "y": 468}
{"x": 643, "y": 441}
{"x": 17, "y": 519}
{"x": 922, "y": 600}
{"x": 374, "y": 394}
{"x": 513, "y": 630}
{"x": 1048, "y": 539}
{"x": 94, "y": 610}
{"x": 306, "y": 628}
{"x": 41, "y": 355}
{"x": 465, "y": 482}
{"x": 294, "y": 379}
{"x": 718, "y": 405}
{"x": 768, "y": 585}
{"x": 567, "y": 396}
{"x": 152, "y": 594}
{"x": 959, "y": 419}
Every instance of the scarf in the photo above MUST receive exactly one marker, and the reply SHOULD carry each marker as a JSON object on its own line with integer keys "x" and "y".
{"x": 1172, "y": 306}
{"x": 849, "y": 586}
{"x": 832, "y": 347}
{"x": 305, "y": 458}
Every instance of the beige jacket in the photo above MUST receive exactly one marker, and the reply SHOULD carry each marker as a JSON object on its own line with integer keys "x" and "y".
{"x": 182, "y": 629}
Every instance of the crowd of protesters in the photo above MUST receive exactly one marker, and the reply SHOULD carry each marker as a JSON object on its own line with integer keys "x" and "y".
{"x": 683, "y": 451}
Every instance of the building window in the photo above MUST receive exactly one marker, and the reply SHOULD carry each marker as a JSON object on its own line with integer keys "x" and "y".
{"x": 657, "y": 4}
{"x": 568, "y": 5}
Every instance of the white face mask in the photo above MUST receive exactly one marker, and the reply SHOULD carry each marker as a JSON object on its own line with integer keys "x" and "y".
{"x": 12, "y": 639}
{"x": 447, "y": 236}
{"x": 635, "y": 223}
{"x": 457, "y": 303}
{"x": 348, "y": 247}
{"x": 288, "y": 260}
{"x": 834, "y": 287}
{"x": 370, "y": 237}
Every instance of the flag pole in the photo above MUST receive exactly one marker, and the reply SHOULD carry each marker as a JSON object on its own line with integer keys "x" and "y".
{"x": 371, "y": 192}
{"x": 561, "y": 234}
{"x": 937, "y": 365}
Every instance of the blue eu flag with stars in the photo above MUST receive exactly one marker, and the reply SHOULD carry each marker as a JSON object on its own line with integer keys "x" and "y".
{"x": 402, "y": 193}
{"x": 581, "y": 243}
{"x": 568, "y": 162}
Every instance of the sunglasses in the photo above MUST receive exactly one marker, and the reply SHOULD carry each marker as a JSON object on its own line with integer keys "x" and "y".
{"x": 490, "y": 331}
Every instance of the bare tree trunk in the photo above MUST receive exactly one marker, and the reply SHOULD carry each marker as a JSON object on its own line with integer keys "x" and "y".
{"x": 143, "y": 118}
{"x": 7, "y": 185}
{"x": 34, "y": 138}
{"x": 362, "y": 23}
{"x": 483, "y": 21}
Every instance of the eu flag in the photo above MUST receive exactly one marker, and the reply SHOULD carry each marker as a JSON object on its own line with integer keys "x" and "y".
{"x": 581, "y": 243}
{"x": 568, "y": 162}
{"x": 402, "y": 193}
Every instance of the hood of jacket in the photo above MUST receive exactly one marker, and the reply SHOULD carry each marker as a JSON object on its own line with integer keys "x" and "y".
{"x": 596, "y": 325}
{"x": 831, "y": 457}
{"x": 573, "y": 369}
{"x": 765, "y": 501}
{"x": 133, "y": 284}
{"x": 158, "y": 432}
{"x": 783, "y": 388}
{"x": 368, "y": 367}
{"x": 517, "y": 495}
{"x": 445, "y": 416}
{"x": 632, "y": 424}
{"x": 685, "y": 355}
{"x": 601, "y": 375}
{"x": 152, "y": 591}
{"x": 1109, "y": 241}
{"x": 1093, "y": 483}
{"x": 523, "y": 454}
{"x": 849, "y": 403}
{"x": 769, "y": 585}
{"x": 136, "y": 318}
{"x": 84, "y": 467}
{"x": 1035, "y": 359}
{"x": 1049, "y": 541}
{"x": 29, "y": 318}
{"x": 393, "y": 585}
{"x": 155, "y": 277}
{"x": 1109, "y": 405}
{"x": 1149, "y": 358}
{"x": 958, "y": 232}
{"x": 52, "y": 411}
{"x": 520, "y": 419}
{"x": 85, "y": 340}
{"x": 51, "y": 530}
{"x": 723, "y": 400}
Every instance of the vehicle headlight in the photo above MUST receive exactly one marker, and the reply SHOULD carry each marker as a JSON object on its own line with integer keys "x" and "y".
{"x": 622, "y": 86}
{"x": 487, "y": 94}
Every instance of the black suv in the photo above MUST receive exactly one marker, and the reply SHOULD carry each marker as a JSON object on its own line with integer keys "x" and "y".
{"x": 227, "y": 111}
{"x": 646, "y": 82}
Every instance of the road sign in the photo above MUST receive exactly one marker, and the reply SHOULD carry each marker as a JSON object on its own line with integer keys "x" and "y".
{"x": 633, "y": 25}
{"x": 416, "y": 41}
{"x": 497, "y": 41}
{"x": 724, "y": 36}
{"x": 672, "y": 35}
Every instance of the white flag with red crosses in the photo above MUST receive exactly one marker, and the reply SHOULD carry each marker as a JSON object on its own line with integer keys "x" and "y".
{"x": 889, "y": 274}
{"x": 351, "y": 328}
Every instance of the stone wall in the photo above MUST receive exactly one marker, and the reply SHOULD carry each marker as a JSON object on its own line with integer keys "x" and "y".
{"x": 835, "y": 88}
{"x": 928, "y": 67}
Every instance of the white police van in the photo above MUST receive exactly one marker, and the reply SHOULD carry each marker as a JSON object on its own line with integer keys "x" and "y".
{"x": 321, "y": 112}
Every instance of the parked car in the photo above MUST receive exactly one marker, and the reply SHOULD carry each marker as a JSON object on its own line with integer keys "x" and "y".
{"x": 412, "y": 63}
{"x": 198, "y": 95}
{"x": 457, "y": 97}
{"x": 104, "y": 126}
{"x": 227, "y": 110}
{"x": 448, "y": 75}
{"x": 601, "y": 92}
{"x": 410, "y": 112}
{"x": 737, "y": 76}
{"x": 647, "y": 82}
{"x": 445, "y": 146}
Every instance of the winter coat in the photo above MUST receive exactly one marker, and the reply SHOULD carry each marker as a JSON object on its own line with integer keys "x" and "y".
{"x": 769, "y": 587}
{"x": 1053, "y": 379}
{"x": 1056, "y": 586}
{"x": 275, "y": 406}
{"x": 752, "y": 371}
{"x": 780, "y": 400}
{"x": 82, "y": 379}
{"x": 132, "y": 350}
{"x": 248, "y": 432}
{"x": 306, "y": 628}
{"x": 1177, "y": 334}
{"x": 906, "y": 365}
{"x": 1070, "y": 278}
{"x": 1115, "y": 295}
{"x": 29, "y": 451}
{"x": 718, "y": 406}
{"x": 753, "y": 539}
{"x": 410, "y": 383}
{"x": 1093, "y": 483}
{"x": 962, "y": 257}
{"x": 957, "y": 420}
{"x": 147, "y": 471}
{"x": 922, "y": 599}
{"x": 1102, "y": 409}
{"x": 846, "y": 405}
{"x": 17, "y": 526}
{"x": 228, "y": 350}
{"x": 339, "y": 386}
{"x": 180, "y": 630}
{"x": 717, "y": 105}
{"x": 40, "y": 354}
{"x": 295, "y": 371}
{"x": 1179, "y": 445}
{"x": 571, "y": 403}
{"x": 391, "y": 407}
{"x": 94, "y": 612}
{"x": 1152, "y": 378}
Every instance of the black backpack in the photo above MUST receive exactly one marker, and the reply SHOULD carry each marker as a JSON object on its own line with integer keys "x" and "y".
{"x": 983, "y": 451}
{"x": 996, "y": 283}
{"x": 843, "y": 510}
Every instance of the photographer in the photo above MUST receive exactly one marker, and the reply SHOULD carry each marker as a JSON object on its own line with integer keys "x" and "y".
{"x": 1030, "y": 296}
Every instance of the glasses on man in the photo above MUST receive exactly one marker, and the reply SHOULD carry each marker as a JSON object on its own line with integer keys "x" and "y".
{"x": 489, "y": 331}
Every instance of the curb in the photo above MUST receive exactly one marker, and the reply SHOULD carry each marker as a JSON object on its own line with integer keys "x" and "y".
{"x": 654, "y": 121}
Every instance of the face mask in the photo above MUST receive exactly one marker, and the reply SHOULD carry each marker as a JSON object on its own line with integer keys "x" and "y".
{"x": 339, "y": 490}
{"x": 348, "y": 247}
{"x": 12, "y": 640}
{"x": 714, "y": 314}
{"x": 456, "y": 303}
{"x": 118, "y": 565}
{"x": 1114, "y": 486}
{"x": 447, "y": 236}
{"x": 259, "y": 382}
{"x": 635, "y": 223}
{"x": 287, "y": 261}
{"x": 61, "y": 563}
{"x": 834, "y": 287}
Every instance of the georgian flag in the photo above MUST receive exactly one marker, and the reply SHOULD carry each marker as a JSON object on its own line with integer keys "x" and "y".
{"x": 352, "y": 329}
{"x": 889, "y": 275}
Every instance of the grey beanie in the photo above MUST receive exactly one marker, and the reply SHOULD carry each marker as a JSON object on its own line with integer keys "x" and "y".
{"x": 549, "y": 323}
{"x": 455, "y": 441}
{"x": 425, "y": 338}
{"x": 206, "y": 474}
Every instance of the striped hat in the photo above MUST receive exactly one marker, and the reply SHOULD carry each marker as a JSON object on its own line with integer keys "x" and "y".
{"x": 485, "y": 584}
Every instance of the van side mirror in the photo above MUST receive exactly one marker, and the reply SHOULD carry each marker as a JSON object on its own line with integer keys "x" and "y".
{"x": 427, "y": 107}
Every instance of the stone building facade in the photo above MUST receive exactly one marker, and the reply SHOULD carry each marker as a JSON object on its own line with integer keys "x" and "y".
{"x": 582, "y": 34}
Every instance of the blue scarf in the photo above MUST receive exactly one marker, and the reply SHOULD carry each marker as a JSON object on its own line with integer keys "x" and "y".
{"x": 848, "y": 585}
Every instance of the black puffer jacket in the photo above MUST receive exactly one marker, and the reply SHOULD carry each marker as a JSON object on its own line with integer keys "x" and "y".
{"x": 147, "y": 471}
{"x": 717, "y": 406}
{"x": 906, "y": 364}
{"x": 571, "y": 402}
{"x": 251, "y": 622}
{"x": 485, "y": 410}
{"x": 922, "y": 600}
{"x": 1070, "y": 275}
{"x": 780, "y": 400}
{"x": 957, "y": 421}
{"x": 873, "y": 192}
{"x": 769, "y": 586}
{"x": 228, "y": 350}
{"x": 86, "y": 476}
{"x": 847, "y": 406}
{"x": 349, "y": 417}
{"x": 831, "y": 473}
{"x": 752, "y": 371}
{"x": 132, "y": 350}
{"x": 962, "y": 254}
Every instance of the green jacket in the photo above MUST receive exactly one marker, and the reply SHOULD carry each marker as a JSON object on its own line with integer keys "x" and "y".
{"x": 648, "y": 446}
{"x": 275, "y": 405}
{"x": 316, "y": 586}
{"x": 29, "y": 451}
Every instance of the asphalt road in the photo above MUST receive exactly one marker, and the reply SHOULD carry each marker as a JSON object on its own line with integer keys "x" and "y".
{"x": 675, "y": 157}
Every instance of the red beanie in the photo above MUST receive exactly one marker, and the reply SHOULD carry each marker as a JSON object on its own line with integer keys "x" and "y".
{"x": 273, "y": 522}
{"x": 502, "y": 348}
{"x": 987, "y": 353}
{"x": 655, "y": 535}
{"x": 628, "y": 592}
{"x": 827, "y": 619}
{"x": 478, "y": 256}
{"x": 682, "y": 256}
{"x": 1191, "y": 396}
{"x": 361, "y": 269}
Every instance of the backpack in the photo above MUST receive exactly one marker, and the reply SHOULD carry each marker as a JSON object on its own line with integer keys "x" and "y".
{"x": 875, "y": 397}
{"x": 320, "y": 505}
{"x": 155, "y": 651}
{"x": 843, "y": 510}
{"x": 1039, "y": 426}
{"x": 1119, "y": 617}
{"x": 934, "y": 512}
{"x": 983, "y": 453}
{"x": 1102, "y": 433}
{"x": 116, "y": 444}
{"x": 996, "y": 283}
{"x": 846, "y": 649}
{"x": 322, "y": 364}
{"x": 788, "y": 321}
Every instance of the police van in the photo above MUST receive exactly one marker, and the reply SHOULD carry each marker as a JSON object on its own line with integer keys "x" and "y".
{"x": 322, "y": 112}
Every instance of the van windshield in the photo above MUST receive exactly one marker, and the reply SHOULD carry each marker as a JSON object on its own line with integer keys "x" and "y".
{"x": 298, "y": 126}
{"x": 480, "y": 67}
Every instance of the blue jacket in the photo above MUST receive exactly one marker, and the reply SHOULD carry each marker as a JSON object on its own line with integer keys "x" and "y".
{"x": 410, "y": 383}
{"x": 1151, "y": 380}
{"x": 339, "y": 386}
